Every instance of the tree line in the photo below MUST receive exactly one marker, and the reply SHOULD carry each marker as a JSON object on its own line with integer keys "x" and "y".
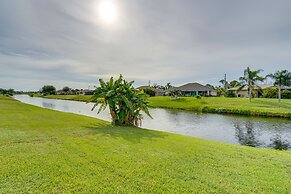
{"x": 7, "y": 92}
{"x": 251, "y": 79}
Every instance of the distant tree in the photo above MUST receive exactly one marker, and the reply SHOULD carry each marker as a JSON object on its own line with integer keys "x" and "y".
{"x": 220, "y": 91}
{"x": 158, "y": 86}
{"x": 75, "y": 91}
{"x": 210, "y": 86}
{"x": 234, "y": 84}
{"x": 282, "y": 78}
{"x": 48, "y": 90}
{"x": 66, "y": 89}
{"x": 229, "y": 93}
{"x": 168, "y": 86}
{"x": 286, "y": 94}
{"x": 270, "y": 92}
{"x": 124, "y": 101}
{"x": 249, "y": 80}
{"x": 175, "y": 93}
{"x": 224, "y": 83}
{"x": 8, "y": 92}
{"x": 149, "y": 92}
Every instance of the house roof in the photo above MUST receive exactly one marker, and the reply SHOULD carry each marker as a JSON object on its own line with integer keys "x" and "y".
{"x": 193, "y": 87}
{"x": 259, "y": 86}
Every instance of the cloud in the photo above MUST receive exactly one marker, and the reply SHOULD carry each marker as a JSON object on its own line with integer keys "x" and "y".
{"x": 64, "y": 43}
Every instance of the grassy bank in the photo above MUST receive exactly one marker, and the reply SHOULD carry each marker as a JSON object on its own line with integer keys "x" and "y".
{"x": 84, "y": 98}
{"x": 43, "y": 150}
{"x": 258, "y": 106}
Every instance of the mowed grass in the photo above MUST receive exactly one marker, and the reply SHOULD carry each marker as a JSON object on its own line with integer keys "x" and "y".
{"x": 45, "y": 151}
{"x": 85, "y": 98}
{"x": 258, "y": 106}
{"x": 242, "y": 106}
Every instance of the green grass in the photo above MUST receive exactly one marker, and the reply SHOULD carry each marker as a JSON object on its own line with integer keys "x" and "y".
{"x": 258, "y": 106}
{"x": 84, "y": 98}
{"x": 45, "y": 151}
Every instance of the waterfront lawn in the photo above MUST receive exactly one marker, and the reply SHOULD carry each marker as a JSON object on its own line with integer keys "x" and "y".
{"x": 258, "y": 106}
{"x": 85, "y": 98}
{"x": 45, "y": 151}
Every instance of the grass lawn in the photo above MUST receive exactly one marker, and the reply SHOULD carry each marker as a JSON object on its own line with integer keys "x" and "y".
{"x": 43, "y": 150}
{"x": 84, "y": 98}
{"x": 258, "y": 106}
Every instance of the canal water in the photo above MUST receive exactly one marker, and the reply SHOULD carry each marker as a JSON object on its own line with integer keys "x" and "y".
{"x": 243, "y": 130}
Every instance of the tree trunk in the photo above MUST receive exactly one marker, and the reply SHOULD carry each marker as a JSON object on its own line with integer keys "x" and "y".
{"x": 250, "y": 94}
{"x": 279, "y": 94}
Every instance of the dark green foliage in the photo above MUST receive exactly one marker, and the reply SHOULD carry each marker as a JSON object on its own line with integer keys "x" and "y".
{"x": 48, "y": 90}
{"x": 210, "y": 86}
{"x": 229, "y": 93}
{"x": 124, "y": 101}
{"x": 250, "y": 78}
{"x": 220, "y": 91}
{"x": 8, "y": 92}
{"x": 66, "y": 89}
{"x": 270, "y": 92}
{"x": 149, "y": 92}
{"x": 286, "y": 94}
{"x": 282, "y": 78}
{"x": 234, "y": 83}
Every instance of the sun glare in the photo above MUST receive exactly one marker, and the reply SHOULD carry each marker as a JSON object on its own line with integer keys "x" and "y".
{"x": 107, "y": 11}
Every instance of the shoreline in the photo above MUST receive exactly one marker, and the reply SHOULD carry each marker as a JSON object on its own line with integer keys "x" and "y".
{"x": 170, "y": 104}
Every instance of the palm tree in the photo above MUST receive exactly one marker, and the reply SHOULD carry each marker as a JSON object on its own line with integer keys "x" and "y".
{"x": 168, "y": 86}
{"x": 234, "y": 84}
{"x": 124, "y": 101}
{"x": 175, "y": 93}
{"x": 282, "y": 78}
{"x": 249, "y": 80}
{"x": 224, "y": 83}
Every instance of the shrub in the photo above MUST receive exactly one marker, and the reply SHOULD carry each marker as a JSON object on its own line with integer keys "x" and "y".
{"x": 286, "y": 94}
{"x": 270, "y": 92}
{"x": 149, "y": 92}
{"x": 229, "y": 94}
{"x": 48, "y": 90}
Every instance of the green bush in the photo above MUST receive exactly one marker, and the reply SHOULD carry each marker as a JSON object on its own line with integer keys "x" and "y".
{"x": 229, "y": 93}
{"x": 149, "y": 92}
{"x": 48, "y": 90}
{"x": 286, "y": 94}
{"x": 270, "y": 92}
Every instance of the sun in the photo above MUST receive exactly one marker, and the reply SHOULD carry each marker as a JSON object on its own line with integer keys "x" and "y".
{"x": 107, "y": 11}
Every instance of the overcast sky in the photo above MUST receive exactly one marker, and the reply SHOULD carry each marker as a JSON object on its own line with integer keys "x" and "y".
{"x": 66, "y": 42}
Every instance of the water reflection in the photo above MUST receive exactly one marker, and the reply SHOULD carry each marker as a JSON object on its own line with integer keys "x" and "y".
{"x": 280, "y": 143}
{"x": 48, "y": 105}
{"x": 246, "y": 134}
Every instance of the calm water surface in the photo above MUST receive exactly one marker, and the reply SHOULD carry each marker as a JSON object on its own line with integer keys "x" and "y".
{"x": 250, "y": 131}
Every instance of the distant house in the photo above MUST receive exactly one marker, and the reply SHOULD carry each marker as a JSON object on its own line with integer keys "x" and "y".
{"x": 159, "y": 92}
{"x": 243, "y": 93}
{"x": 194, "y": 89}
{"x": 86, "y": 92}
{"x": 62, "y": 92}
